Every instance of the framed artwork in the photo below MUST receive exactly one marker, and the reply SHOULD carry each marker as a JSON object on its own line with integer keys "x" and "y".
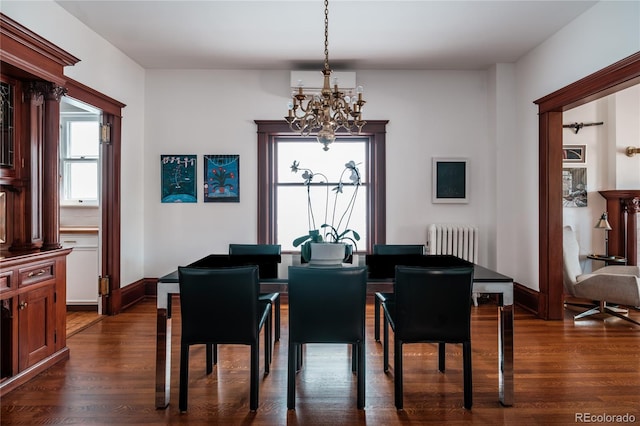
{"x": 574, "y": 187}
{"x": 450, "y": 180}
{"x": 574, "y": 153}
{"x": 178, "y": 178}
{"x": 222, "y": 178}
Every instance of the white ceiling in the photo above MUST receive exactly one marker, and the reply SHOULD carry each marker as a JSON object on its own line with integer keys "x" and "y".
{"x": 363, "y": 34}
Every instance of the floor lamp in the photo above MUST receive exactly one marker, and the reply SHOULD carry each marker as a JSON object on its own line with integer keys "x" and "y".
{"x": 603, "y": 223}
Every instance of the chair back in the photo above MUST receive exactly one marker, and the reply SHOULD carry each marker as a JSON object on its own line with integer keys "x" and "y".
{"x": 398, "y": 249}
{"x": 327, "y": 305}
{"x": 266, "y": 256}
{"x": 570, "y": 260}
{"x": 219, "y": 304}
{"x": 272, "y": 249}
{"x": 433, "y": 304}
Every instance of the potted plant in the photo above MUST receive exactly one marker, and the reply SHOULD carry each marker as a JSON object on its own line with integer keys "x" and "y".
{"x": 337, "y": 230}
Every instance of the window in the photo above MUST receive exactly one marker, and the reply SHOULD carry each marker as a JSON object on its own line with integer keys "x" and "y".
{"x": 79, "y": 150}
{"x": 291, "y": 192}
{"x": 282, "y": 212}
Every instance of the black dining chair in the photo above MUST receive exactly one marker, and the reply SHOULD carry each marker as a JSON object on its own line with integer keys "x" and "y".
{"x": 327, "y": 305}
{"x": 398, "y": 249}
{"x": 395, "y": 251}
{"x": 429, "y": 305}
{"x": 267, "y": 257}
{"x": 221, "y": 306}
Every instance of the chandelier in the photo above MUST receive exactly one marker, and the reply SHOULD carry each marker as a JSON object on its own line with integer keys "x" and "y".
{"x": 329, "y": 110}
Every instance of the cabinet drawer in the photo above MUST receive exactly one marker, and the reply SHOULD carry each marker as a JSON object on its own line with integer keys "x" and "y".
{"x": 5, "y": 281}
{"x": 78, "y": 240}
{"x": 37, "y": 273}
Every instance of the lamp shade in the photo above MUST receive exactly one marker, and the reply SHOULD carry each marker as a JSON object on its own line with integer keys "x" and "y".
{"x": 603, "y": 223}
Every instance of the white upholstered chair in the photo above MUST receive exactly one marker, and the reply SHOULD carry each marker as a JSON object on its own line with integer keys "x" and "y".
{"x": 612, "y": 284}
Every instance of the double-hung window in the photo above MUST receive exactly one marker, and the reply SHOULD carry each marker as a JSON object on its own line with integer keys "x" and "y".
{"x": 79, "y": 151}
{"x": 282, "y": 195}
{"x": 295, "y": 216}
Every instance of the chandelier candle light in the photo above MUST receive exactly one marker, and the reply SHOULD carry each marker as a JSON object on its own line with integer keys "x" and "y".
{"x": 329, "y": 110}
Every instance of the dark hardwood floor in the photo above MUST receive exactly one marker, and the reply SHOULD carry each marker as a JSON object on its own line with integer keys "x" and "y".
{"x": 562, "y": 369}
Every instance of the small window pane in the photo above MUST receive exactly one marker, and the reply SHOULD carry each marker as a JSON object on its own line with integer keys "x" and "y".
{"x": 81, "y": 180}
{"x": 83, "y": 139}
{"x": 330, "y": 163}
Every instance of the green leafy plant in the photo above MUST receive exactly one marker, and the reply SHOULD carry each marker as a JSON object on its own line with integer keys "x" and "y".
{"x": 332, "y": 232}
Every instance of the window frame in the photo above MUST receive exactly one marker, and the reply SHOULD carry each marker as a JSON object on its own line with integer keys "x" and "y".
{"x": 65, "y": 141}
{"x": 268, "y": 133}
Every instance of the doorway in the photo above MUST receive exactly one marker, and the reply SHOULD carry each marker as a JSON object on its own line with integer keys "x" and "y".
{"x": 80, "y": 216}
{"x": 619, "y": 76}
{"x": 109, "y": 181}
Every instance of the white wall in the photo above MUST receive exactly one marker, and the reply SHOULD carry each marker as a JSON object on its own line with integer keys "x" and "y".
{"x": 627, "y": 133}
{"x": 604, "y": 34}
{"x": 430, "y": 113}
{"x": 109, "y": 71}
{"x": 596, "y": 141}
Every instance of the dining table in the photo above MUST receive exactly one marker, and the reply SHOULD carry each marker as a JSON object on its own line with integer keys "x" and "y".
{"x": 485, "y": 281}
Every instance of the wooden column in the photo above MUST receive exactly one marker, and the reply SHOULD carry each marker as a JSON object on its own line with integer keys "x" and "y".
{"x": 51, "y": 168}
{"x": 623, "y": 207}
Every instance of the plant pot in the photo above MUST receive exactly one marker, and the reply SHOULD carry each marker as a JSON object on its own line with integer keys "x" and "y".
{"x": 327, "y": 254}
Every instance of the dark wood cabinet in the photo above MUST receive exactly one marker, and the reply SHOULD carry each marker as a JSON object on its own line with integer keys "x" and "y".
{"x": 32, "y": 262}
{"x": 33, "y": 315}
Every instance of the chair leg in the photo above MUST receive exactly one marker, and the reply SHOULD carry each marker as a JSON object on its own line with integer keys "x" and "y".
{"x": 385, "y": 346}
{"x": 397, "y": 373}
{"x": 354, "y": 358}
{"x": 592, "y": 311}
{"x": 361, "y": 374}
{"x": 184, "y": 377}
{"x": 468, "y": 385}
{"x": 255, "y": 368}
{"x": 441, "y": 356}
{"x": 277, "y": 319}
{"x": 299, "y": 357}
{"x": 376, "y": 318}
{"x": 209, "y": 358}
{"x": 615, "y": 313}
{"x": 292, "y": 365}
{"x": 267, "y": 344}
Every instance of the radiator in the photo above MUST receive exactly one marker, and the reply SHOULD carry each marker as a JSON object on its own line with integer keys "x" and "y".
{"x": 458, "y": 240}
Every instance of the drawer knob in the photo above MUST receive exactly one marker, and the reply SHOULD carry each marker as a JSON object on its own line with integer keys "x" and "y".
{"x": 22, "y": 305}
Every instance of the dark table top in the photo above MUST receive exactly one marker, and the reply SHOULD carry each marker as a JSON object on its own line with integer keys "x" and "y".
{"x": 480, "y": 274}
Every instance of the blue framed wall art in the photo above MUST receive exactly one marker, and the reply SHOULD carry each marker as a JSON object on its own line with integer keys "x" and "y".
{"x": 178, "y": 181}
{"x": 222, "y": 178}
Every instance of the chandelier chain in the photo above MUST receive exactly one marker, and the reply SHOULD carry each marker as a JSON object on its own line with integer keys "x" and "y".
{"x": 326, "y": 34}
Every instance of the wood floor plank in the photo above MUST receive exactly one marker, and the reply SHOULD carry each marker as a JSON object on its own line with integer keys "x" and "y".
{"x": 562, "y": 369}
